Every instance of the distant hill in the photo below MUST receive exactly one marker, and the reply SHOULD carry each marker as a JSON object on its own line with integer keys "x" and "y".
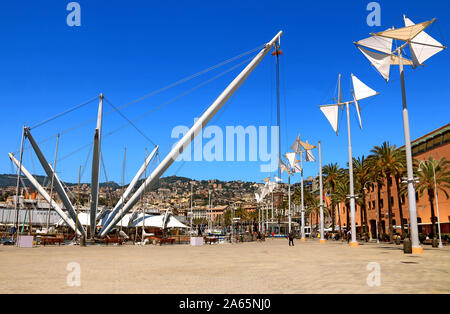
{"x": 11, "y": 180}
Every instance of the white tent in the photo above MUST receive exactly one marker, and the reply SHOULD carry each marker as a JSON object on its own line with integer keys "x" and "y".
{"x": 157, "y": 222}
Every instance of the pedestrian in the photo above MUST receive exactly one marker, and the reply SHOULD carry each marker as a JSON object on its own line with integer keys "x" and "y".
{"x": 273, "y": 234}
{"x": 349, "y": 235}
{"x": 291, "y": 238}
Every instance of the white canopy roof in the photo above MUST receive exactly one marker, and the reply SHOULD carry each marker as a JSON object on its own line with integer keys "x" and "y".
{"x": 157, "y": 222}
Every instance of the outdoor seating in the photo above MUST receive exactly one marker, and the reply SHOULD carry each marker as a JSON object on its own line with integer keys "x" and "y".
{"x": 52, "y": 240}
{"x": 115, "y": 240}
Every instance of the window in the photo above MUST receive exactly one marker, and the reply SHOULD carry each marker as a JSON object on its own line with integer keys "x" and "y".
{"x": 373, "y": 204}
{"x": 417, "y": 196}
{"x": 381, "y": 203}
{"x": 392, "y": 201}
{"x": 403, "y": 199}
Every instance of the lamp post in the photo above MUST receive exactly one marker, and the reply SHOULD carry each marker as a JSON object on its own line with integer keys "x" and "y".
{"x": 436, "y": 197}
{"x": 376, "y": 212}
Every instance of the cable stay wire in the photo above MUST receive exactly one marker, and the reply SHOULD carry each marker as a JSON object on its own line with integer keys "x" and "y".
{"x": 158, "y": 107}
{"x": 140, "y": 98}
{"x": 130, "y": 122}
{"x": 63, "y": 113}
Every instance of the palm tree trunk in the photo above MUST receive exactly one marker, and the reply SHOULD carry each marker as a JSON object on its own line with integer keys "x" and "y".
{"x": 379, "y": 209}
{"x": 391, "y": 227}
{"x": 347, "y": 206}
{"x": 399, "y": 200}
{"x": 333, "y": 218}
{"x": 433, "y": 217}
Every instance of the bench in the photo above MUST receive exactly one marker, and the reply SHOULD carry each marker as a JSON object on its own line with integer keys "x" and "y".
{"x": 165, "y": 240}
{"x": 210, "y": 240}
{"x": 51, "y": 240}
{"x": 113, "y": 240}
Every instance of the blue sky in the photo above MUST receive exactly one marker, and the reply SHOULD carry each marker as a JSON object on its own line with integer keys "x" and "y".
{"x": 126, "y": 49}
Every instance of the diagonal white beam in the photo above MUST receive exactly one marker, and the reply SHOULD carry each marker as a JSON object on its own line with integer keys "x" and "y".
{"x": 192, "y": 133}
{"x": 131, "y": 186}
{"x": 44, "y": 193}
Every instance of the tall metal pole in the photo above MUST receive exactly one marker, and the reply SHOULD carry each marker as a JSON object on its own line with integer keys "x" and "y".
{"x": 414, "y": 231}
{"x": 19, "y": 172}
{"x": 303, "y": 238}
{"x": 123, "y": 180}
{"x": 353, "y": 242}
{"x": 322, "y": 237}
{"x": 191, "y": 213}
{"x": 96, "y": 167}
{"x": 53, "y": 180}
{"x": 277, "y": 53}
{"x": 196, "y": 128}
{"x": 289, "y": 200}
{"x": 78, "y": 201}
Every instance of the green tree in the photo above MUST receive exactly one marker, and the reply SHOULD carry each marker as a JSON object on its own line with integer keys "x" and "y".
{"x": 385, "y": 159}
{"x": 332, "y": 174}
{"x": 426, "y": 176}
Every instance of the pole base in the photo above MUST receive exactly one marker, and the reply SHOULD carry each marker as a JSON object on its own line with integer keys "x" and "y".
{"x": 303, "y": 240}
{"x": 354, "y": 244}
{"x": 417, "y": 250}
{"x": 323, "y": 241}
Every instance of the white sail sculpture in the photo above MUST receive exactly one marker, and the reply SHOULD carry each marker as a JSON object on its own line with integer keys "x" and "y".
{"x": 299, "y": 147}
{"x": 421, "y": 46}
{"x": 360, "y": 91}
{"x": 378, "y": 48}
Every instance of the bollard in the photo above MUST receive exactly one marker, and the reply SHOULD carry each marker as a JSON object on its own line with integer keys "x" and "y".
{"x": 435, "y": 242}
{"x": 407, "y": 246}
{"x": 82, "y": 241}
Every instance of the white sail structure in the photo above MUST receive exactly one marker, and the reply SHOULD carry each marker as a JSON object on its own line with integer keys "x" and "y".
{"x": 360, "y": 91}
{"x": 423, "y": 46}
{"x": 331, "y": 112}
{"x": 309, "y": 156}
{"x": 291, "y": 158}
{"x": 378, "y": 48}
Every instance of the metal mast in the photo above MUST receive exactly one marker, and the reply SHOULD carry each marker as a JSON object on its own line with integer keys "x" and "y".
{"x": 96, "y": 168}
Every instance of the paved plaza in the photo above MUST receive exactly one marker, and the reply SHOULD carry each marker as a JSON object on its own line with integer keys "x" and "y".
{"x": 256, "y": 267}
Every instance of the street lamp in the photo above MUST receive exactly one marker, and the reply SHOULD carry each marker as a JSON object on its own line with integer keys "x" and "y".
{"x": 376, "y": 212}
{"x": 435, "y": 196}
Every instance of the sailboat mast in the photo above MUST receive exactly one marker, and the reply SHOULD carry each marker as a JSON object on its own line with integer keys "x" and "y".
{"x": 123, "y": 180}
{"x": 53, "y": 181}
{"x": 350, "y": 173}
{"x": 277, "y": 53}
{"x": 19, "y": 172}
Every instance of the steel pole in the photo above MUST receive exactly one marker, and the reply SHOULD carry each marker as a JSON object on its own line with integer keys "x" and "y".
{"x": 414, "y": 231}
{"x": 303, "y": 238}
{"x": 289, "y": 201}
{"x": 19, "y": 169}
{"x": 353, "y": 243}
{"x": 322, "y": 237}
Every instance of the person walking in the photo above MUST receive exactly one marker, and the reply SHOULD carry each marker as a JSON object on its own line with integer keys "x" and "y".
{"x": 291, "y": 238}
{"x": 349, "y": 235}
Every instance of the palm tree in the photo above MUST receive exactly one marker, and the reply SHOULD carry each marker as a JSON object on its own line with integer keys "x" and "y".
{"x": 375, "y": 175}
{"x": 386, "y": 160}
{"x": 332, "y": 173}
{"x": 399, "y": 172}
{"x": 361, "y": 173}
{"x": 312, "y": 204}
{"x": 342, "y": 190}
{"x": 426, "y": 174}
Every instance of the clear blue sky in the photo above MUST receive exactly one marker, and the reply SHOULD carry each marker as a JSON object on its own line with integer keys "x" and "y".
{"x": 126, "y": 49}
